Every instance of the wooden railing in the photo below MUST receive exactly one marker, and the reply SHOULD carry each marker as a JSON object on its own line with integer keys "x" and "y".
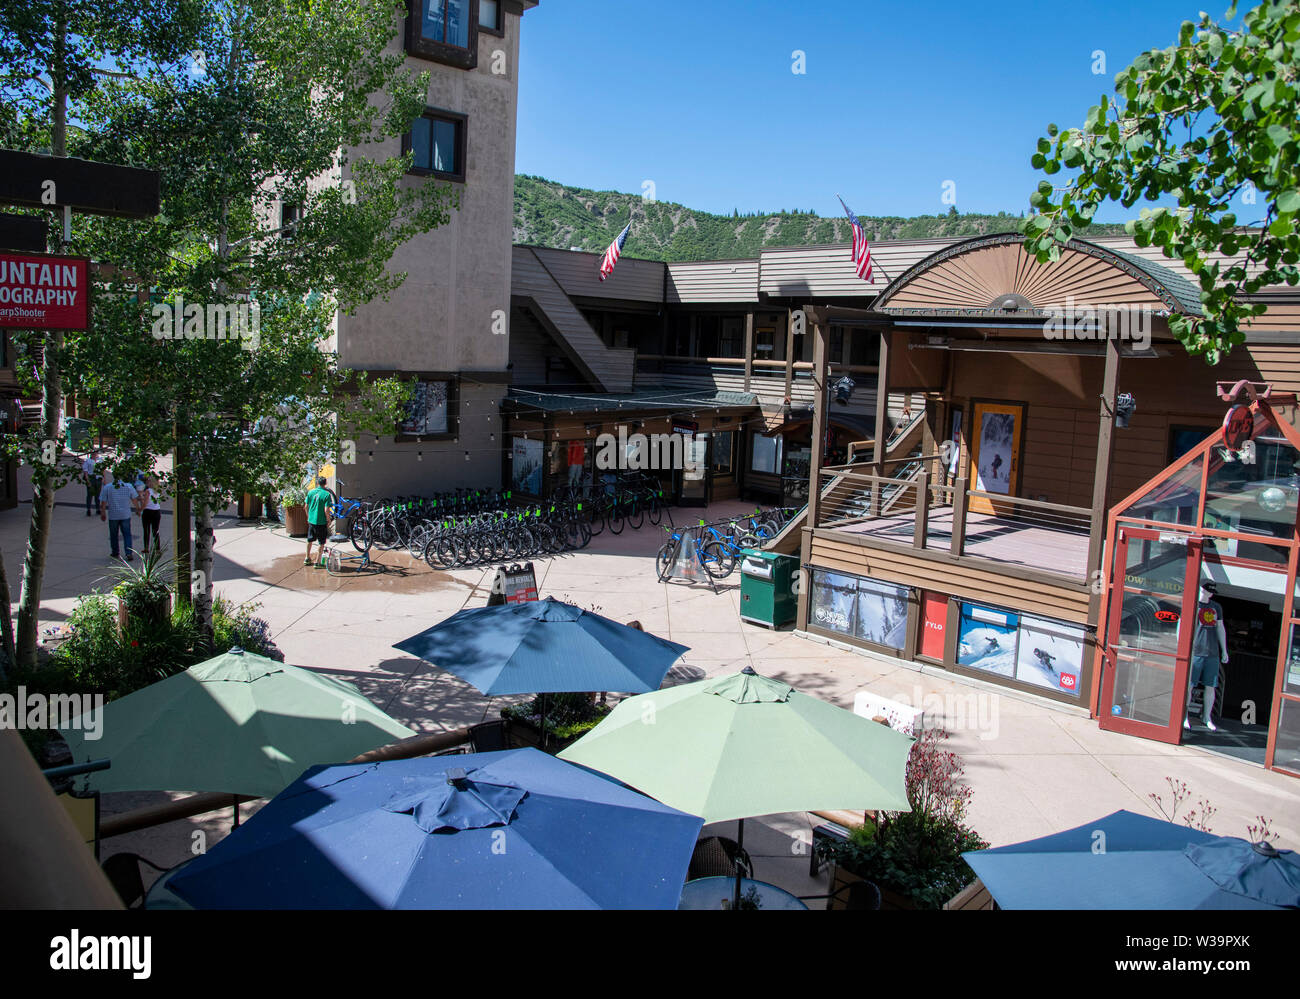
{"x": 853, "y": 498}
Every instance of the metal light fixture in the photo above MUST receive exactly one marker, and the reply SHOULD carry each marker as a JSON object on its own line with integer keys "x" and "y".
{"x": 843, "y": 388}
{"x": 1125, "y": 407}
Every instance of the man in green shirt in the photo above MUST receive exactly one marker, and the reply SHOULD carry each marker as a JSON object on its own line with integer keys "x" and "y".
{"x": 320, "y": 506}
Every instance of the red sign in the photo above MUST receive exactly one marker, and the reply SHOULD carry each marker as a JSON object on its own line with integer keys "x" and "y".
{"x": 43, "y": 292}
{"x": 1167, "y": 615}
{"x": 1068, "y": 681}
{"x": 934, "y": 619}
{"x": 1238, "y": 426}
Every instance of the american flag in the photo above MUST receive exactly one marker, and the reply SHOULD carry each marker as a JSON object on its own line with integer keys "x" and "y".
{"x": 861, "y": 251}
{"x": 611, "y": 255}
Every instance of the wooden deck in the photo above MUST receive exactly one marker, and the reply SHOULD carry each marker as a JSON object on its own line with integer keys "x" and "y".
{"x": 998, "y": 539}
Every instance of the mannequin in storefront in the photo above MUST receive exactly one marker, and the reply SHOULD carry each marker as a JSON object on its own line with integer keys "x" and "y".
{"x": 1209, "y": 651}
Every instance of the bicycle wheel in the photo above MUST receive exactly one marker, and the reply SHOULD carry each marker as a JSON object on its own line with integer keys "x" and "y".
{"x": 635, "y": 517}
{"x": 717, "y": 560}
{"x": 656, "y": 512}
{"x": 614, "y": 519}
{"x": 597, "y": 522}
{"x": 431, "y": 555}
{"x": 664, "y": 559}
{"x": 359, "y": 533}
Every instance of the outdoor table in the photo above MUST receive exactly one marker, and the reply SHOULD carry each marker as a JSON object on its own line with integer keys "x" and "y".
{"x": 160, "y": 896}
{"x": 708, "y": 893}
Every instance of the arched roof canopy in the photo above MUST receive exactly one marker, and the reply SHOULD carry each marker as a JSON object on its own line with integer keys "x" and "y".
{"x": 992, "y": 278}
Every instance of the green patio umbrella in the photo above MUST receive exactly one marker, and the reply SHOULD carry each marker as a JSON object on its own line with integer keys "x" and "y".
{"x": 238, "y": 723}
{"x": 744, "y": 744}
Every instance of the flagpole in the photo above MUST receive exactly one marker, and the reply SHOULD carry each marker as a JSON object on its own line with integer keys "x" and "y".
{"x": 874, "y": 265}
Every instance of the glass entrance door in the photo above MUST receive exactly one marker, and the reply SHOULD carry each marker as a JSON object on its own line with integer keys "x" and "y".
{"x": 694, "y": 482}
{"x": 1149, "y": 631}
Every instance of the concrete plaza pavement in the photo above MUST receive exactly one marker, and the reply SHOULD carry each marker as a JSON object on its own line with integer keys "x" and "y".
{"x": 1034, "y": 767}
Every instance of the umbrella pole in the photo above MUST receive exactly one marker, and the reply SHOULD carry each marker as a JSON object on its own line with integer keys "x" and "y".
{"x": 235, "y": 804}
{"x": 740, "y": 843}
{"x": 542, "y": 702}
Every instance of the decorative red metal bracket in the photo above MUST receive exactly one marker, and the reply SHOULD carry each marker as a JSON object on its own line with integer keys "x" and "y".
{"x": 1254, "y": 390}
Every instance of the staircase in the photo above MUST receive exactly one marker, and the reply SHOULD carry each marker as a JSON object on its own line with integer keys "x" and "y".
{"x": 610, "y": 369}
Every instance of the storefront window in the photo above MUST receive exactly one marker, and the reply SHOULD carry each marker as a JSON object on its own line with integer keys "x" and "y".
{"x": 1254, "y": 497}
{"x": 834, "y": 601}
{"x": 881, "y": 613}
{"x": 722, "y": 441}
{"x": 1050, "y": 654}
{"x": 987, "y": 639}
{"x": 427, "y": 410}
{"x": 1173, "y": 500}
{"x": 765, "y": 454}
{"x": 1287, "y": 752}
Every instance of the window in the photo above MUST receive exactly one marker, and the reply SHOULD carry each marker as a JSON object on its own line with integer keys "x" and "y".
{"x": 444, "y": 31}
{"x": 289, "y": 214}
{"x": 489, "y": 17}
{"x": 765, "y": 454}
{"x": 722, "y": 441}
{"x": 438, "y": 140}
{"x": 864, "y": 347}
{"x": 428, "y": 413}
{"x": 836, "y": 346}
{"x": 732, "y": 342}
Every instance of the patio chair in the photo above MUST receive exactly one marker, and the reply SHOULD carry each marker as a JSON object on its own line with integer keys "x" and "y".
{"x": 123, "y": 873}
{"x": 718, "y": 857}
{"x": 854, "y": 895}
{"x": 488, "y": 737}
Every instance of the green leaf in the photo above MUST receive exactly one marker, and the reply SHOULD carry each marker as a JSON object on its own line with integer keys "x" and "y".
{"x": 1289, "y": 201}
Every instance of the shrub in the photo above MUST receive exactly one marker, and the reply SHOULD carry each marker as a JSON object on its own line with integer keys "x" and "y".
{"x": 918, "y": 853}
{"x": 567, "y": 715}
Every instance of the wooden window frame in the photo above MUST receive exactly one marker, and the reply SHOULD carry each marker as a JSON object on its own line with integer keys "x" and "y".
{"x": 453, "y": 407}
{"x": 461, "y": 121}
{"x": 442, "y": 52}
{"x": 500, "y": 30}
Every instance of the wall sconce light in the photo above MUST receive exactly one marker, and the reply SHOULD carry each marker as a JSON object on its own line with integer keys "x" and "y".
{"x": 1125, "y": 407}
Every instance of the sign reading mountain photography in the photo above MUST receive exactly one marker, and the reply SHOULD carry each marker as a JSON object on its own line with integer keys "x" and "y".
{"x": 41, "y": 292}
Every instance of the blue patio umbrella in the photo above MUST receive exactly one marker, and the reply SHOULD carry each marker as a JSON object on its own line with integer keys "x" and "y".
{"x": 544, "y": 646}
{"x": 1128, "y": 861}
{"x": 510, "y": 830}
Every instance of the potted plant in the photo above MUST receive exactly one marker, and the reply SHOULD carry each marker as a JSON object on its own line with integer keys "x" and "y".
{"x": 915, "y": 857}
{"x": 144, "y": 594}
{"x": 293, "y": 501}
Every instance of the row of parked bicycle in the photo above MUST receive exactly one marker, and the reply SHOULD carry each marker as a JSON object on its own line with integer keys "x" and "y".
{"x": 477, "y": 527}
{"x": 718, "y": 547}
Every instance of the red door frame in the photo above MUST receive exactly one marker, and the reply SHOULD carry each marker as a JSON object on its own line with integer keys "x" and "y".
{"x": 1172, "y": 732}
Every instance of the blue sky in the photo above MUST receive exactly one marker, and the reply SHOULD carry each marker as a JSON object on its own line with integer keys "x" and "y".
{"x": 699, "y": 96}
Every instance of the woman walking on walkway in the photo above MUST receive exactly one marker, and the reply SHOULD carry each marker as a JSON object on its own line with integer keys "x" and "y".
{"x": 150, "y": 511}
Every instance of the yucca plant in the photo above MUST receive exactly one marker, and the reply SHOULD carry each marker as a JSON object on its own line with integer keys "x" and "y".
{"x": 144, "y": 593}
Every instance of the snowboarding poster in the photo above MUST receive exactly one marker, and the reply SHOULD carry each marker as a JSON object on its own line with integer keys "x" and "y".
{"x": 995, "y": 457}
{"x": 988, "y": 639}
{"x": 1051, "y": 654}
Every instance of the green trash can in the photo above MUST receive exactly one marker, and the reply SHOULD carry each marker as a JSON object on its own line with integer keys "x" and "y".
{"x": 767, "y": 588}
{"x": 78, "y": 434}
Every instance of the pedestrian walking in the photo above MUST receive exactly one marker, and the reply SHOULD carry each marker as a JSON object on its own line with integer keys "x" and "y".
{"x": 320, "y": 505}
{"x": 118, "y": 501}
{"x": 90, "y": 469}
{"x": 150, "y": 512}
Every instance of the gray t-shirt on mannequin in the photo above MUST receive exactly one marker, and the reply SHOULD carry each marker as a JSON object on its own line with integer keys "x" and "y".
{"x": 1208, "y": 618}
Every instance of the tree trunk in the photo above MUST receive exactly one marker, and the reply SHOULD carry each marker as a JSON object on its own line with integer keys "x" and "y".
{"x": 204, "y": 538}
{"x": 43, "y": 477}
{"x": 181, "y": 539}
{"x": 6, "y": 624}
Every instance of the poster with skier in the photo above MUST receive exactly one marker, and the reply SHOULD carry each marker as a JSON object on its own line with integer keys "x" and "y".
{"x": 996, "y": 456}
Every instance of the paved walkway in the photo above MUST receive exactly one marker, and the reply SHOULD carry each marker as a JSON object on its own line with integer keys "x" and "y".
{"x": 1034, "y": 769}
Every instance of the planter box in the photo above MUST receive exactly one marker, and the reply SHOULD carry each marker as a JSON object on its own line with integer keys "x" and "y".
{"x": 250, "y": 507}
{"x": 164, "y": 610}
{"x": 841, "y": 878}
{"x": 526, "y": 734}
{"x": 295, "y": 520}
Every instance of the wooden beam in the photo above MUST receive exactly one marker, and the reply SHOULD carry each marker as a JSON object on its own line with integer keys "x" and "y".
{"x": 922, "y": 510}
{"x": 882, "y": 418}
{"x": 818, "y": 440}
{"x": 23, "y": 233}
{"x": 34, "y": 180}
{"x": 958, "y": 545}
{"x": 749, "y": 348}
{"x": 790, "y": 359}
{"x": 1101, "y": 475}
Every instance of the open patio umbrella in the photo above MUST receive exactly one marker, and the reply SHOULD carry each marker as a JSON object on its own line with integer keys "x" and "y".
{"x": 1128, "y": 861}
{"x": 508, "y": 830}
{"x": 238, "y": 723}
{"x": 744, "y": 744}
{"x": 544, "y": 646}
